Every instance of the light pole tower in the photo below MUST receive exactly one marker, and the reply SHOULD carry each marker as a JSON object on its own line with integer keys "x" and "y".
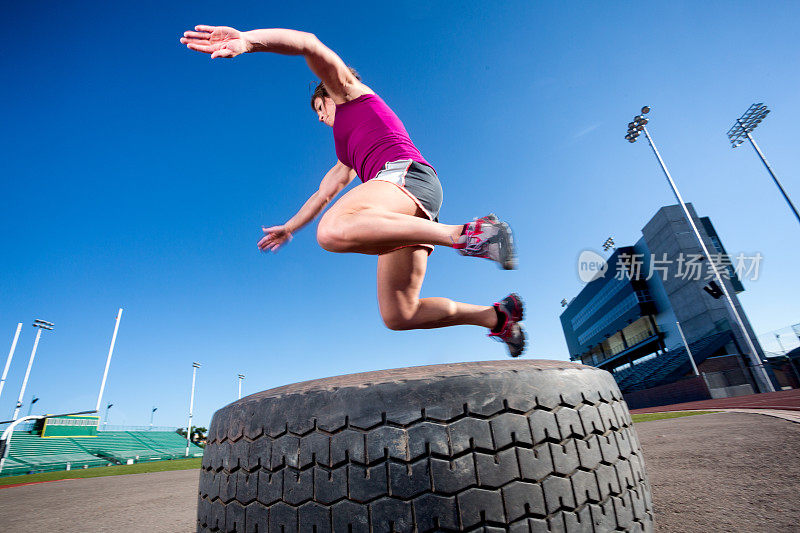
{"x": 10, "y": 355}
{"x": 635, "y": 128}
{"x": 152, "y": 413}
{"x": 688, "y": 350}
{"x": 108, "y": 360}
{"x": 741, "y": 130}
{"x": 241, "y": 378}
{"x": 195, "y": 366}
{"x": 40, "y": 324}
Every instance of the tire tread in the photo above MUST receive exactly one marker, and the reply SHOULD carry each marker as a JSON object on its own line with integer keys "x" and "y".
{"x": 571, "y": 461}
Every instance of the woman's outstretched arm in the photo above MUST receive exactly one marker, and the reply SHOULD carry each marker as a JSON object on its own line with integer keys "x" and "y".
{"x": 226, "y": 42}
{"x": 334, "y": 181}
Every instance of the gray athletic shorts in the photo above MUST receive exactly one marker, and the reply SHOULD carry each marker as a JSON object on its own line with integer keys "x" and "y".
{"x": 418, "y": 181}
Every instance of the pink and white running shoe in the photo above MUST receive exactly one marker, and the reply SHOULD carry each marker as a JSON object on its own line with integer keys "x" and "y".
{"x": 490, "y": 238}
{"x": 511, "y": 331}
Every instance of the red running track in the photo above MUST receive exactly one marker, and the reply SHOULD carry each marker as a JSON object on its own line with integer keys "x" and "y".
{"x": 37, "y": 482}
{"x": 785, "y": 399}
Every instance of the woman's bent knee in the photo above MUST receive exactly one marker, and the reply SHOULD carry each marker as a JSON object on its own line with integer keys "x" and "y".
{"x": 396, "y": 323}
{"x": 331, "y": 236}
{"x": 397, "y": 320}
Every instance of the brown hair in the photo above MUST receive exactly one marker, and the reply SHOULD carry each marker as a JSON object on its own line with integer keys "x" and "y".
{"x": 321, "y": 92}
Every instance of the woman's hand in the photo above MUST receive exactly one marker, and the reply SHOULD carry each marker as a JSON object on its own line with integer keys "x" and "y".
{"x": 219, "y": 41}
{"x": 274, "y": 238}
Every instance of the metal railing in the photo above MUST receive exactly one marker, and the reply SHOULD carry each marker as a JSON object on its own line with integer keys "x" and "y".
{"x": 26, "y": 426}
{"x": 636, "y": 339}
{"x": 30, "y": 425}
{"x": 632, "y": 341}
{"x": 110, "y": 427}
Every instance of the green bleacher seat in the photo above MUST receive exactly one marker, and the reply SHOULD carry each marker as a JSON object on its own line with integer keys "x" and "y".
{"x": 168, "y": 443}
{"x": 14, "y": 467}
{"x": 120, "y": 445}
{"x": 32, "y": 453}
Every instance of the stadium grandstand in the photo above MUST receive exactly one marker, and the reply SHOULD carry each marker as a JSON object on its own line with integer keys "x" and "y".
{"x": 74, "y": 442}
{"x": 670, "y": 367}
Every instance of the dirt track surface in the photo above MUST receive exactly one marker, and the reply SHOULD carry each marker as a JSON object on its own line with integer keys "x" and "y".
{"x": 723, "y": 472}
{"x": 156, "y": 502}
{"x": 718, "y": 472}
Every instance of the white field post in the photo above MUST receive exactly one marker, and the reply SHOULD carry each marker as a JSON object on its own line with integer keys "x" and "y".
{"x": 27, "y": 374}
{"x": 10, "y": 355}
{"x": 691, "y": 357}
{"x": 765, "y": 385}
{"x": 195, "y": 366}
{"x": 108, "y": 361}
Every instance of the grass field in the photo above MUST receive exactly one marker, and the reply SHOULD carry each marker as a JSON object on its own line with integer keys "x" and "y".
{"x": 140, "y": 468}
{"x": 647, "y": 417}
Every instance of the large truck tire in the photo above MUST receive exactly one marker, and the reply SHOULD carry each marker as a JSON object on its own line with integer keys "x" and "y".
{"x": 491, "y": 446}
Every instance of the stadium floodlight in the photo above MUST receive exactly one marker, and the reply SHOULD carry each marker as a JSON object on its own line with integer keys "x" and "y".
{"x": 742, "y": 129}
{"x": 564, "y": 302}
{"x": 34, "y": 399}
{"x": 764, "y": 382}
{"x": 195, "y": 366}
{"x": 39, "y": 325}
{"x": 609, "y": 244}
{"x": 108, "y": 361}
{"x": 152, "y": 412}
{"x": 10, "y": 355}
{"x": 241, "y": 378}
{"x": 636, "y": 126}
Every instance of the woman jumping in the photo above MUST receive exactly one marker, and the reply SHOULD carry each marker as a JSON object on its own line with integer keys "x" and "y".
{"x": 394, "y": 213}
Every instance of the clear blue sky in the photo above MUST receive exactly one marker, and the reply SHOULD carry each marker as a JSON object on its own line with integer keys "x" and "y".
{"x": 137, "y": 174}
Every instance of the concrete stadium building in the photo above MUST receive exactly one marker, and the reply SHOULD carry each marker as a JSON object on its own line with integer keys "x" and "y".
{"x": 627, "y": 320}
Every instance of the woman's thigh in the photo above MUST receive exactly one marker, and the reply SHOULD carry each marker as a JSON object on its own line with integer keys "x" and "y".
{"x": 369, "y": 197}
{"x": 375, "y": 195}
{"x": 400, "y": 277}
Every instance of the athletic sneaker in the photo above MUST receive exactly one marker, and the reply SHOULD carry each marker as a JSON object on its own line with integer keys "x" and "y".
{"x": 490, "y": 238}
{"x": 511, "y": 331}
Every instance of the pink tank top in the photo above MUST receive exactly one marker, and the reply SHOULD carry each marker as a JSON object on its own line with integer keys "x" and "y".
{"x": 368, "y": 134}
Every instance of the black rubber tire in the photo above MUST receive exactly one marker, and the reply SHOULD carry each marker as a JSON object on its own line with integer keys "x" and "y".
{"x": 493, "y": 446}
